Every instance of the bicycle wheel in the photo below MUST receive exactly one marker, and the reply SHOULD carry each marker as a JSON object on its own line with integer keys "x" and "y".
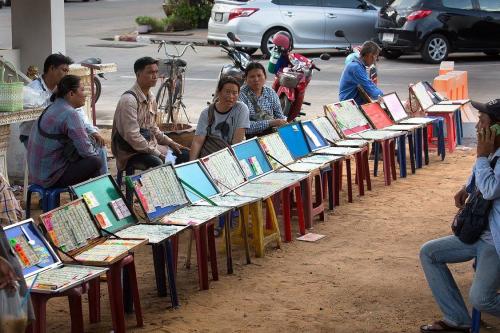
{"x": 163, "y": 98}
{"x": 97, "y": 88}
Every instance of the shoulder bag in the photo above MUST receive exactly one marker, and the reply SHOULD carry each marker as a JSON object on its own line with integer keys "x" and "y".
{"x": 212, "y": 143}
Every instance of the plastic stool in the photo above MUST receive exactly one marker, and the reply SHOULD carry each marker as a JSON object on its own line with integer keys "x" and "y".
{"x": 50, "y": 197}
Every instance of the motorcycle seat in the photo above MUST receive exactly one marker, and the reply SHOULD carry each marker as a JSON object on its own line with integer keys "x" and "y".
{"x": 92, "y": 61}
{"x": 178, "y": 62}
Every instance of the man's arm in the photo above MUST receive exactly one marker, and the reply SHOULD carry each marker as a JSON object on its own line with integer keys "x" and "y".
{"x": 198, "y": 142}
{"x": 360, "y": 76}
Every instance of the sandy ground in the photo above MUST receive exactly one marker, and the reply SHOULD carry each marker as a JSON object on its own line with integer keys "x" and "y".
{"x": 365, "y": 276}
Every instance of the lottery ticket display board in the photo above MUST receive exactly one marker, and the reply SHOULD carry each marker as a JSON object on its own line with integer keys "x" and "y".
{"x": 42, "y": 267}
{"x": 294, "y": 139}
{"x": 252, "y": 158}
{"x": 276, "y": 150}
{"x": 376, "y": 115}
{"x": 105, "y": 191}
{"x": 159, "y": 191}
{"x": 72, "y": 229}
{"x": 314, "y": 137}
{"x": 224, "y": 169}
{"x": 347, "y": 116}
{"x": 396, "y": 110}
{"x": 194, "y": 174}
{"x": 325, "y": 128}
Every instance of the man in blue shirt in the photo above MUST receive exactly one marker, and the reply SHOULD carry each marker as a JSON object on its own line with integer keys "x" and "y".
{"x": 437, "y": 253}
{"x": 355, "y": 75}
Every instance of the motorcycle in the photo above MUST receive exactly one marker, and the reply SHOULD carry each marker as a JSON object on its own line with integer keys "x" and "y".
{"x": 291, "y": 81}
{"x": 240, "y": 60}
{"x": 97, "y": 82}
{"x": 352, "y": 52}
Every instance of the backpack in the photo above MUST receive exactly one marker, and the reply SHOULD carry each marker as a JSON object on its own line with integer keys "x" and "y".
{"x": 212, "y": 143}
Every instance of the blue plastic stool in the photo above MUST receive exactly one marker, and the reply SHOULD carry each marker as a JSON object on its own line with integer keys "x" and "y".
{"x": 50, "y": 197}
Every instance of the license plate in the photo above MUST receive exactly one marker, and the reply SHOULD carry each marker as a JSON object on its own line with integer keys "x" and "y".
{"x": 388, "y": 37}
{"x": 218, "y": 17}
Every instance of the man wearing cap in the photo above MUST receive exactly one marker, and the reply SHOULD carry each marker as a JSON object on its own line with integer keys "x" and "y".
{"x": 437, "y": 253}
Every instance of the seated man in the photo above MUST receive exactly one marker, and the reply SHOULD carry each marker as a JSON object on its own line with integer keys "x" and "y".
{"x": 437, "y": 253}
{"x": 355, "y": 75}
{"x": 137, "y": 142}
{"x": 60, "y": 152}
{"x": 55, "y": 67}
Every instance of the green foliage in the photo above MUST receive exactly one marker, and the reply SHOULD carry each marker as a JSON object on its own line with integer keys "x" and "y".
{"x": 143, "y": 20}
{"x": 194, "y": 15}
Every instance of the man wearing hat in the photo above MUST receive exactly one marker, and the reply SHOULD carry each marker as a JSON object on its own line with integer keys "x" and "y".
{"x": 437, "y": 253}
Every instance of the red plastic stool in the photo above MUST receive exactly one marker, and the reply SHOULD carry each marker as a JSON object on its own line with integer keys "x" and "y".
{"x": 286, "y": 209}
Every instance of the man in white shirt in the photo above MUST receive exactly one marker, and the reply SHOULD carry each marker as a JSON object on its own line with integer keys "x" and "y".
{"x": 55, "y": 67}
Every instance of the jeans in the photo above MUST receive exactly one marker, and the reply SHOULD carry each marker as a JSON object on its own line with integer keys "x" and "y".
{"x": 437, "y": 253}
{"x": 103, "y": 155}
{"x": 142, "y": 162}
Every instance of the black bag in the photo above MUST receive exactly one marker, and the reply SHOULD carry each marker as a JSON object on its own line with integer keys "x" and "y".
{"x": 472, "y": 219}
{"x": 212, "y": 143}
{"x": 69, "y": 150}
{"x": 120, "y": 142}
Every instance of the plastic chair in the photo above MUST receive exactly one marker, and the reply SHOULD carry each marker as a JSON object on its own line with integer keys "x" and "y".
{"x": 40, "y": 300}
{"x": 50, "y": 197}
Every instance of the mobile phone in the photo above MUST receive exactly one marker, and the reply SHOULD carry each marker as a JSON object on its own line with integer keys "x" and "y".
{"x": 496, "y": 129}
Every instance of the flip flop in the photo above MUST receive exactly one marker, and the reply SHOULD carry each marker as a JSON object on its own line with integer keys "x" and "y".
{"x": 442, "y": 327}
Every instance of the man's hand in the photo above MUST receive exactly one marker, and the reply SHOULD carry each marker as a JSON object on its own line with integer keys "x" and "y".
{"x": 277, "y": 122}
{"x": 98, "y": 139}
{"x": 177, "y": 147}
{"x": 485, "y": 142}
{"x": 460, "y": 198}
{"x": 7, "y": 274}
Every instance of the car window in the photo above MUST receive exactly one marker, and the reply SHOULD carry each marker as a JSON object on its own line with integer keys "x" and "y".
{"x": 458, "y": 4}
{"x": 404, "y": 3}
{"x": 314, "y": 3}
{"x": 490, "y": 5}
{"x": 342, "y": 3}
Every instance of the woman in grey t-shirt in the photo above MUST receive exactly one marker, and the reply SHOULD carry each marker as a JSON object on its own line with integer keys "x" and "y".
{"x": 231, "y": 118}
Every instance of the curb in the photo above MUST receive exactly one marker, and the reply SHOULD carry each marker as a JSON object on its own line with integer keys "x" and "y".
{"x": 146, "y": 39}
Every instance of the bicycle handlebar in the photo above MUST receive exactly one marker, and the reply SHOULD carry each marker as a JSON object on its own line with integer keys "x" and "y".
{"x": 163, "y": 43}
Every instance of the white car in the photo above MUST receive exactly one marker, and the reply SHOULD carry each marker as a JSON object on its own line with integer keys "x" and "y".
{"x": 312, "y": 23}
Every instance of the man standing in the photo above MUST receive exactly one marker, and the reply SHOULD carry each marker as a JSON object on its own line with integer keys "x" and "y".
{"x": 137, "y": 142}
{"x": 355, "y": 75}
{"x": 55, "y": 67}
{"x": 437, "y": 253}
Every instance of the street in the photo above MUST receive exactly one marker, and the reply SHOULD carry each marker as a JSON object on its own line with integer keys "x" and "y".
{"x": 89, "y": 23}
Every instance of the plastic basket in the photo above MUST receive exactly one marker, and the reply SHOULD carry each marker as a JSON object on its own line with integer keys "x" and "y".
{"x": 11, "y": 93}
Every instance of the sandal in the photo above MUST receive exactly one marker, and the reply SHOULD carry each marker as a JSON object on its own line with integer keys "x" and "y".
{"x": 441, "y": 326}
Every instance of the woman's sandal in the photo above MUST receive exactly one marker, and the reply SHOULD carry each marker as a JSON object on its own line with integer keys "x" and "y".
{"x": 442, "y": 327}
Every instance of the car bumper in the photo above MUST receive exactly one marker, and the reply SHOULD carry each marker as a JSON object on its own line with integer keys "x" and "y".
{"x": 403, "y": 40}
{"x": 249, "y": 34}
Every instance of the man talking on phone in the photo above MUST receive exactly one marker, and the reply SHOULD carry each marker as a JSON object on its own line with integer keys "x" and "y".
{"x": 437, "y": 253}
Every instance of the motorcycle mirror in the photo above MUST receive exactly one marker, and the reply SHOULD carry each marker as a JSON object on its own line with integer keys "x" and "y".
{"x": 340, "y": 34}
{"x": 231, "y": 36}
{"x": 324, "y": 56}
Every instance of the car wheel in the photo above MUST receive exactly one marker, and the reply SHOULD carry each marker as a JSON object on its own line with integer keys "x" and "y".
{"x": 391, "y": 54}
{"x": 492, "y": 53}
{"x": 247, "y": 50}
{"x": 266, "y": 45}
{"x": 436, "y": 49}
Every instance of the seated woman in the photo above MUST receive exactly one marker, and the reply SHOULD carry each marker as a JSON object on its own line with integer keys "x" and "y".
{"x": 262, "y": 102}
{"x": 60, "y": 152}
{"x": 226, "y": 120}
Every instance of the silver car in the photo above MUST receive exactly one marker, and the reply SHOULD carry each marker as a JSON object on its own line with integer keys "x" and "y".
{"x": 312, "y": 23}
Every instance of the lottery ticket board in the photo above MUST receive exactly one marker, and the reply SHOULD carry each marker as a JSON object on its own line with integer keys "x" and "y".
{"x": 224, "y": 169}
{"x": 40, "y": 263}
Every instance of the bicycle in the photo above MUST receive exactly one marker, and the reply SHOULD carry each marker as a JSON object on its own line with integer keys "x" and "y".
{"x": 172, "y": 73}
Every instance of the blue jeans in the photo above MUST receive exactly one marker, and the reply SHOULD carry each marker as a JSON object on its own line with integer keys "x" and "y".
{"x": 437, "y": 253}
{"x": 103, "y": 155}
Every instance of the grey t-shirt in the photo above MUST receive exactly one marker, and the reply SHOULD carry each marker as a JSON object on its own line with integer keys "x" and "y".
{"x": 237, "y": 117}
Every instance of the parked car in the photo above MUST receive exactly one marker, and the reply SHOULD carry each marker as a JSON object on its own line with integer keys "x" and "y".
{"x": 437, "y": 27}
{"x": 312, "y": 23}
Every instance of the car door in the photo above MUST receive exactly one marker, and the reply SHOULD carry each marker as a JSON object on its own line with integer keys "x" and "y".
{"x": 490, "y": 12}
{"x": 355, "y": 17}
{"x": 306, "y": 20}
{"x": 463, "y": 22}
